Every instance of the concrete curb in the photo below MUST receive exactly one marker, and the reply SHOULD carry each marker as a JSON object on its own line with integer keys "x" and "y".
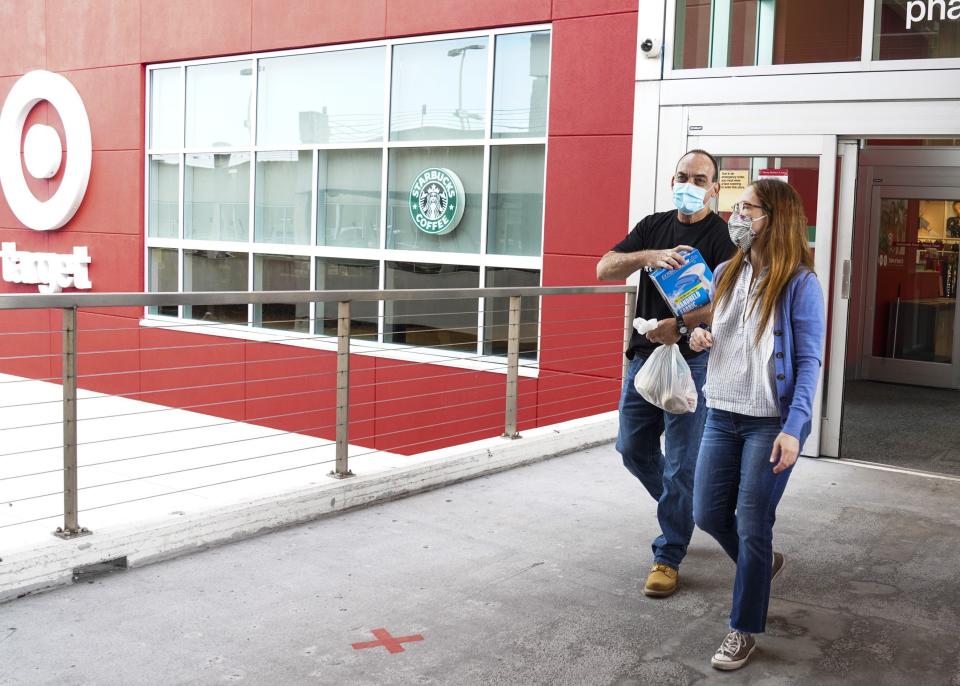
{"x": 52, "y": 564}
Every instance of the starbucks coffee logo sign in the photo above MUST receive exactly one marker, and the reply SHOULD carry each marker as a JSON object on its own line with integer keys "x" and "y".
{"x": 436, "y": 201}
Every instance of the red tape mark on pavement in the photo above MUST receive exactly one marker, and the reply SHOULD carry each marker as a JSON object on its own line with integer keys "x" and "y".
{"x": 387, "y": 641}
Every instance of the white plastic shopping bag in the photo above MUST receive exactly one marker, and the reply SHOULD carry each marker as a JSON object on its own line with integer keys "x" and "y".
{"x": 665, "y": 379}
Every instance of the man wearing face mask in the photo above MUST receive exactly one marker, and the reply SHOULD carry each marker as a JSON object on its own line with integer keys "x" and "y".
{"x": 657, "y": 241}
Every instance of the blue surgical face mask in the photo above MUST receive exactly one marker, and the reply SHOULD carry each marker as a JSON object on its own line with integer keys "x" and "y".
{"x": 688, "y": 198}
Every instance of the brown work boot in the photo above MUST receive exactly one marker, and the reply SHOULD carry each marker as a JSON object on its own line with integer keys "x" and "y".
{"x": 661, "y": 582}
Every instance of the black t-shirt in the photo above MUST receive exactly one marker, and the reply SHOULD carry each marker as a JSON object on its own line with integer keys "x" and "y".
{"x": 661, "y": 231}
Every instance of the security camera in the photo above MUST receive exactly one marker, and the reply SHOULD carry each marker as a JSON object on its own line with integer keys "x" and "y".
{"x": 650, "y": 47}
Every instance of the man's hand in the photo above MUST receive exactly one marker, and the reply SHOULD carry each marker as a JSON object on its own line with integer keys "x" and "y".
{"x": 700, "y": 340}
{"x": 619, "y": 265}
{"x": 785, "y": 451}
{"x": 666, "y": 332}
{"x": 667, "y": 259}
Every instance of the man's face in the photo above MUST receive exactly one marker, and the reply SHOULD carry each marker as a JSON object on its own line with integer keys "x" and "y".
{"x": 697, "y": 170}
{"x": 956, "y": 208}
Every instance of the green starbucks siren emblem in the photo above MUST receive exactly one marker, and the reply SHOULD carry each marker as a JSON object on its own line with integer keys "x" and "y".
{"x": 436, "y": 201}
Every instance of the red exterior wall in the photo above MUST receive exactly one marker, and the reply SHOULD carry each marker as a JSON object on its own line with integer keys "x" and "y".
{"x": 101, "y": 46}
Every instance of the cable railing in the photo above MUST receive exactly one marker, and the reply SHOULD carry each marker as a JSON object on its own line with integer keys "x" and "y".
{"x": 235, "y": 409}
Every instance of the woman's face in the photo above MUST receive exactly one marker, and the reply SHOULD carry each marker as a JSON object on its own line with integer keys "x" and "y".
{"x": 750, "y": 206}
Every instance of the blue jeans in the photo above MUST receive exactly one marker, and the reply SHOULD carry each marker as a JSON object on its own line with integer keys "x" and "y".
{"x": 667, "y": 477}
{"x": 735, "y": 500}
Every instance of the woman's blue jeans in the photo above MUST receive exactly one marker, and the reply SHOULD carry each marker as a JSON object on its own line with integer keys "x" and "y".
{"x": 735, "y": 497}
{"x": 667, "y": 477}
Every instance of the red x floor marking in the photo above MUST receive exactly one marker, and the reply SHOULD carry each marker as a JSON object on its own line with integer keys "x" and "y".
{"x": 387, "y": 641}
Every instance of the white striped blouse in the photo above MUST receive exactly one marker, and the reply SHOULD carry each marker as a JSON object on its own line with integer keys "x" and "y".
{"x": 740, "y": 373}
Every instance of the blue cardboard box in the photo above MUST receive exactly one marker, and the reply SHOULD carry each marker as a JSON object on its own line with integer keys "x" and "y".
{"x": 687, "y": 288}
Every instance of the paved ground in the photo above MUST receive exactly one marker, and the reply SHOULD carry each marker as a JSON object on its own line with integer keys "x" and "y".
{"x": 905, "y": 426}
{"x": 531, "y": 576}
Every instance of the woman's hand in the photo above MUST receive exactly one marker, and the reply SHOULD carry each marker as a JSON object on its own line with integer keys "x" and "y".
{"x": 700, "y": 340}
{"x": 786, "y": 449}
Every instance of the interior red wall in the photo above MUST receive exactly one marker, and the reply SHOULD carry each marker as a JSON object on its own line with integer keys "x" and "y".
{"x": 101, "y": 46}
{"x": 817, "y": 31}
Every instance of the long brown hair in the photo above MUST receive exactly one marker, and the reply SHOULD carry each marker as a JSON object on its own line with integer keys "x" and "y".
{"x": 782, "y": 246}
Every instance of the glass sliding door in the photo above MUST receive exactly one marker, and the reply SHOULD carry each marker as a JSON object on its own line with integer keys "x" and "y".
{"x": 915, "y": 254}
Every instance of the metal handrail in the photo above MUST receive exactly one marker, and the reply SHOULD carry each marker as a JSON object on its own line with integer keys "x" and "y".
{"x": 35, "y": 301}
{"x": 69, "y": 303}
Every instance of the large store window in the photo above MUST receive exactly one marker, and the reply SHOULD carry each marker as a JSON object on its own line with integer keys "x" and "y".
{"x": 455, "y": 110}
{"x": 446, "y": 322}
{"x": 916, "y": 30}
{"x": 348, "y": 202}
{"x": 336, "y": 274}
{"x": 405, "y": 163}
{"x": 414, "y": 163}
{"x": 216, "y": 196}
{"x": 326, "y": 97}
{"x": 735, "y": 33}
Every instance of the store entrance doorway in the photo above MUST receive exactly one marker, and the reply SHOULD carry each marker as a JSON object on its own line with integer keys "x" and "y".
{"x": 902, "y": 392}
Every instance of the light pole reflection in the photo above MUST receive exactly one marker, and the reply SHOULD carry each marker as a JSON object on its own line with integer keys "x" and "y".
{"x": 462, "y": 53}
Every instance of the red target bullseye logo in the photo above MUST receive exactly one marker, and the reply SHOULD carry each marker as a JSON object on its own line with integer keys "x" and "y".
{"x": 42, "y": 150}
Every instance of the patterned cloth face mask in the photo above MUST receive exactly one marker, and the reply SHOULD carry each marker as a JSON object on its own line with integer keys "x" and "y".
{"x": 741, "y": 230}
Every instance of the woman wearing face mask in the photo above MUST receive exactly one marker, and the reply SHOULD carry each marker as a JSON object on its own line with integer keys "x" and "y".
{"x": 766, "y": 349}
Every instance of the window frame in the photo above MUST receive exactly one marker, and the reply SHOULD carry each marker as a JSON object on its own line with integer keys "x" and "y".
{"x": 381, "y": 254}
{"x": 866, "y": 63}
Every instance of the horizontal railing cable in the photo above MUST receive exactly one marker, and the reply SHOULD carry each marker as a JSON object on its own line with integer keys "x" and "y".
{"x": 33, "y": 333}
{"x": 201, "y": 446}
{"x": 176, "y": 471}
{"x": 444, "y": 437}
{"x": 211, "y": 485}
{"x": 38, "y": 356}
{"x": 353, "y": 422}
{"x": 35, "y": 519}
{"x": 579, "y": 411}
{"x": 136, "y": 394}
{"x": 435, "y": 350}
{"x": 164, "y": 432}
{"x": 48, "y": 379}
{"x": 311, "y": 410}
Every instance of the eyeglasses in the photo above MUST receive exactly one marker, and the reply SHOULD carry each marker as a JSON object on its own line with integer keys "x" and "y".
{"x": 743, "y": 206}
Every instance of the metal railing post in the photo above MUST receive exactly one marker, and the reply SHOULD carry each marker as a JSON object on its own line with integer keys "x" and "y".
{"x": 513, "y": 369}
{"x": 342, "y": 470}
{"x": 71, "y": 526}
{"x": 629, "y": 314}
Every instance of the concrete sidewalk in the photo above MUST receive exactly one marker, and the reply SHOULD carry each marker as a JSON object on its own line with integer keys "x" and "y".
{"x": 530, "y": 576}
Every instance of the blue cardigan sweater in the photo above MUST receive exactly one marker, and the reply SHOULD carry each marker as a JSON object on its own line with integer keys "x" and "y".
{"x": 799, "y": 328}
